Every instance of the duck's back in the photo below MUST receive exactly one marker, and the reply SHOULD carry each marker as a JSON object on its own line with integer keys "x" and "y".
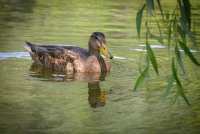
{"x": 58, "y": 58}
{"x": 52, "y": 48}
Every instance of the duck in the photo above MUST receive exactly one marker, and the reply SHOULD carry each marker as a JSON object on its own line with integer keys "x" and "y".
{"x": 73, "y": 59}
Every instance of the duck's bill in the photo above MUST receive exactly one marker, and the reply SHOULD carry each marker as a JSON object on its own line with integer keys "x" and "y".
{"x": 104, "y": 51}
{"x": 111, "y": 56}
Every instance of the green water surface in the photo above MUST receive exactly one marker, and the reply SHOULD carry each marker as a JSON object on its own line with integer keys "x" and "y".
{"x": 33, "y": 101}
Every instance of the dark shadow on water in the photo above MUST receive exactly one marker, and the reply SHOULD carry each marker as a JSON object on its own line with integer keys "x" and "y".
{"x": 13, "y": 13}
{"x": 15, "y": 10}
{"x": 25, "y": 6}
{"x": 96, "y": 96}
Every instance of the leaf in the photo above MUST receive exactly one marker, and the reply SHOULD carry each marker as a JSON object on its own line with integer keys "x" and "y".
{"x": 171, "y": 28}
{"x": 182, "y": 33}
{"x": 160, "y": 8}
{"x": 188, "y": 53}
{"x": 193, "y": 39}
{"x": 160, "y": 32}
{"x": 169, "y": 33}
{"x": 152, "y": 57}
{"x": 185, "y": 19}
{"x": 185, "y": 10}
{"x": 150, "y": 6}
{"x": 178, "y": 82}
{"x": 179, "y": 58}
{"x": 139, "y": 20}
{"x": 181, "y": 92}
{"x": 141, "y": 78}
{"x": 169, "y": 86}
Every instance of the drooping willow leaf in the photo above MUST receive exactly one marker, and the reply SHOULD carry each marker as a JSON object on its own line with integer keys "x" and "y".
{"x": 188, "y": 53}
{"x": 169, "y": 34}
{"x": 160, "y": 8}
{"x": 141, "y": 78}
{"x": 169, "y": 86}
{"x": 182, "y": 33}
{"x": 152, "y": 57}
{"x": 160, "y": 32}
{"x": 178, "y": 82}
{"x": 139, "y": 20}
{"x": 185, "y": 20}
{"x": 150, "y": 6}
{"x": 179, "y": 58}
{"x": 185, "y": 10}
{"x": 193, "y": 39}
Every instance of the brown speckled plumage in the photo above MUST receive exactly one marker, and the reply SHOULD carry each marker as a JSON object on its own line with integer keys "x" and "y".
{"x": 71, "y": 59}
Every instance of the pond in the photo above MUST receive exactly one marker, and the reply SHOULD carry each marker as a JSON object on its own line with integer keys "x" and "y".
{"x": 35, "y": 101}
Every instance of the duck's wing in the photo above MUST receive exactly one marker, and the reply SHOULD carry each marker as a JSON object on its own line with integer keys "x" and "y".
{"x": 48, "y": 54}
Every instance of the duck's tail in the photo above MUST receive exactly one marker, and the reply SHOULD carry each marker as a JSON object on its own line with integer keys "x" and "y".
{"x": 29, "y": 47}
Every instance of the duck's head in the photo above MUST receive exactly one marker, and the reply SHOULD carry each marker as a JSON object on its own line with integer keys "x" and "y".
{"x": 97, "y": 45}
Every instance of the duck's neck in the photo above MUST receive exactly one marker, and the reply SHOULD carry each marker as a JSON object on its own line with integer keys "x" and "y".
{"x": 94, "y": 52}
{"x": 104, "y": 63}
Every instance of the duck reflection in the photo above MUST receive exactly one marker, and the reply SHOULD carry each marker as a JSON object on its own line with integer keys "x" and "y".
{"x": 96, "y": 96}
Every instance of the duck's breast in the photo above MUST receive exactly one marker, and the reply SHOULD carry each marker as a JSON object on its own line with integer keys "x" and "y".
{"x": 97, "y": 64}
{"x": 92, "y": 64}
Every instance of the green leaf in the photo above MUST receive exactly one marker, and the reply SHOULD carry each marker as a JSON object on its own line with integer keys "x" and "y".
{"x": 181, "y": 92}
{"x": 169, "y": 33}
{"x": 150, "y": 6}
{"x": 169, "y": 86}
{"x": 178, "y": 82}
{"x": 160, "y": 32}
{"x": 141, "y": 78}
{"x": 139, "y": 20}
{"x": 160, "y": 8}
{"x": 152, "y": 57}
{"x": 171, "y": 28}
{"x": 185, "y": 20}
{"x": 185, "y": 10}
{"x": 179, "y": 58}
{"x": 193, "y": 39}
{"x": 188, "y": 53}
{"x": 182, "y": 33}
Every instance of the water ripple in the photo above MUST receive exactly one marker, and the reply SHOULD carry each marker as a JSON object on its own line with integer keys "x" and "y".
{"x": 6, "y": 55}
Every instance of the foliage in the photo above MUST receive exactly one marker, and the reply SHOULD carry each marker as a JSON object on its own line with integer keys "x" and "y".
{"x": 177, "y": 27}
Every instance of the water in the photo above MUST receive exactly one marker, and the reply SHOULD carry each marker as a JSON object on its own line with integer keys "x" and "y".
{"x": 33, "y": 100}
